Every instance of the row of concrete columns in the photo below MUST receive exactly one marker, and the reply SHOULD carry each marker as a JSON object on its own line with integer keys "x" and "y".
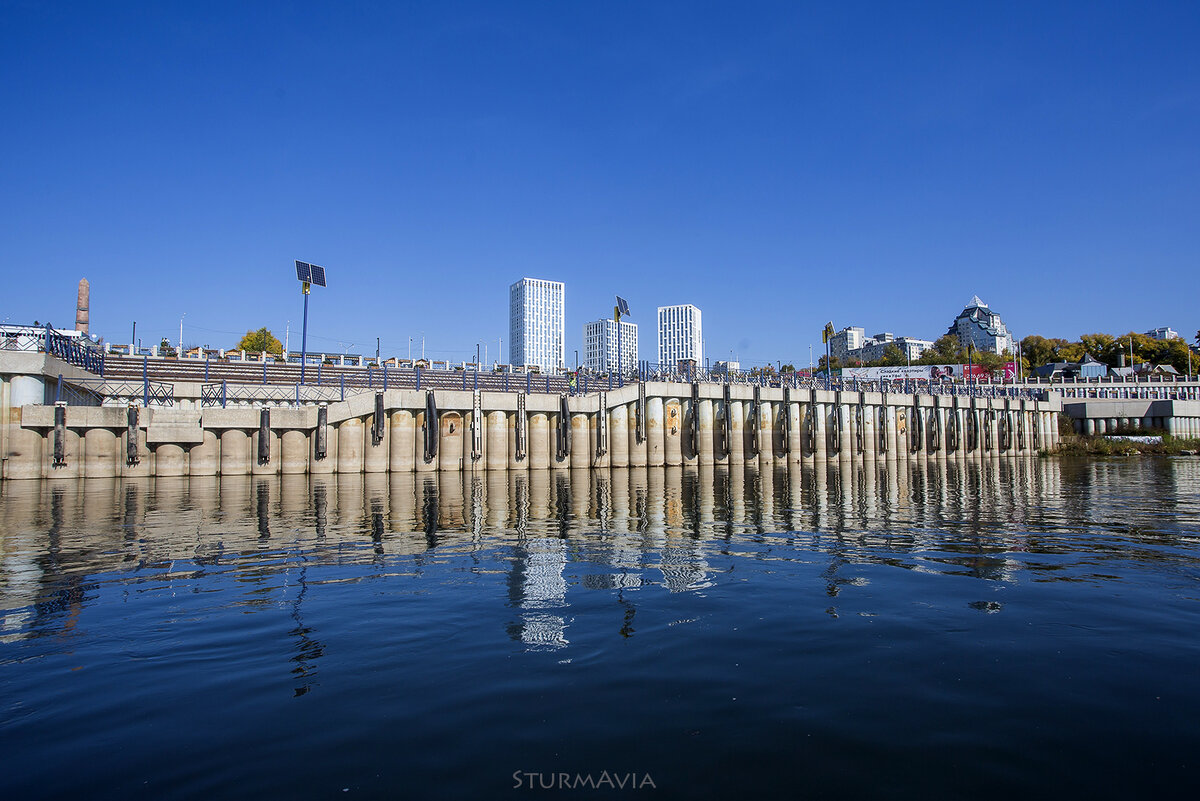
{"x": 1185, "y": 427}
{"x": 763, "y": 433}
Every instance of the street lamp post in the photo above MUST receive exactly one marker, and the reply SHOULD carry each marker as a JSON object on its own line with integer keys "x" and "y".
{"x": 180, "y": 351}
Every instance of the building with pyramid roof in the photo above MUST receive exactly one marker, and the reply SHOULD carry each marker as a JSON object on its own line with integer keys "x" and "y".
{"x": 978, "y": 325}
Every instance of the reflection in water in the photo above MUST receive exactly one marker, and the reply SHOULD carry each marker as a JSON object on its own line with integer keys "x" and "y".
{"x": 298, "y": 635}
{"x": 567, "y": 531}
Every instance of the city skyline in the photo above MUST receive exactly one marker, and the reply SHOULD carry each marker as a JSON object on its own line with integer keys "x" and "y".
{"x": 776, "y": 166}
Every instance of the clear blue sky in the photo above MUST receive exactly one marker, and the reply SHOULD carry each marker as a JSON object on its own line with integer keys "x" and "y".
{"x": 776, "y": 164}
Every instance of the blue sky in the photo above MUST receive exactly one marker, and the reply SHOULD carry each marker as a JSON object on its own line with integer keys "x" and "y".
{"x": 776, "y": 164}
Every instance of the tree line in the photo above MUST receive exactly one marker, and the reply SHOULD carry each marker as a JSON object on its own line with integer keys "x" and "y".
{"x": 1037, "y": 351}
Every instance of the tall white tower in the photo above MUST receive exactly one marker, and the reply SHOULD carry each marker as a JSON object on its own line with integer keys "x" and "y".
{"x": 679, "y": 335}
{"x": 600, "y": 345}
{"x": 536, "y": 324}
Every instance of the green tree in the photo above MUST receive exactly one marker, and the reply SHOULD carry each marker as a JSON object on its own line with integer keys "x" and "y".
{"x": 892, "y": 357}
{"x": 1102, "y": 347}
{"x": 1038, "y": 350}
{"x": 788, "y": 368}
{"x": 260, "y": 341}
{"x": 165, "y": 348}
{"x": 949, "y": 348}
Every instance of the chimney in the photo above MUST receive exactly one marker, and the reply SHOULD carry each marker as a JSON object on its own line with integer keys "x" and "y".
{"x": 81, "y": 307}
{"x": 1122, "y": 358}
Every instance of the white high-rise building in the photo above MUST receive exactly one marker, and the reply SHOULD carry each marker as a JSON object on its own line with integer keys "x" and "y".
{"x": 535, "y": 324}
{"x": 679, "y": 335}
{"x": 600, "y": 345}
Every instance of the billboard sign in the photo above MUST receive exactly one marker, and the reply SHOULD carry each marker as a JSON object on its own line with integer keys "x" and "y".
{"x": 934, "y": 372}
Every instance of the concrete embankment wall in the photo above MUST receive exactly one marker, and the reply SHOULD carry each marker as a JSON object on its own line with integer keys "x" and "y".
{"x": 652, "y": 424}
{"x": 1180, "y": 418}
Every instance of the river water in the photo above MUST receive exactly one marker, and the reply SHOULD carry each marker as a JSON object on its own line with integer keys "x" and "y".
{"x": 1025, "y": 627}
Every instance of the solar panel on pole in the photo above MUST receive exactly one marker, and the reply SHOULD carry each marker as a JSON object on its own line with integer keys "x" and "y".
{"x": 318, "y": 275}
{"x": 623, "y": 306}
{"x": 304, "y": 271}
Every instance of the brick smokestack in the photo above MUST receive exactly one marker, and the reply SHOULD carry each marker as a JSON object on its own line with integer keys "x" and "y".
{"x": 81, "y": 307}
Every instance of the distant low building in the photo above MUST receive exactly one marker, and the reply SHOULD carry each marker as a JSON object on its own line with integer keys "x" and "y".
{"x": 981, "y": 327}
{"x": 1088, "y": 368}
{"x": 852, "y": 344}
{"x": 1163, "y": 333}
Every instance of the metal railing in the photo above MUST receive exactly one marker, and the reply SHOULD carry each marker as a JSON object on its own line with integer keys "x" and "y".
{"x": 45, "y": 339}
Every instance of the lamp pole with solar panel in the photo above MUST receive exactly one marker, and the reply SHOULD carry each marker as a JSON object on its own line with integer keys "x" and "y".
{"x": 308, "y": 274}
{"x": 620, "y": 310}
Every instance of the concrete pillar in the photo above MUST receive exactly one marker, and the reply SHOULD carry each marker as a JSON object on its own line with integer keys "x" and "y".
{"x": 845, "y": 441}
{"x": 779, "y": 439}
{"x": 656, "y": 454}
{"x": 539, "y": 441}
{"x": 376, "y": 457}
{"x": 271, "y": 466}
{"x": 637, "y": 450}
{"x": 766, "y": 435}
{"x": 737, "y": 452}
{"x": 555, "y": 419}
{"x": 704, "y": 437}
{"x": 943, "y": 418}
{"x": 451, "y": 441}
{"x": 72, "y": 455}
{"x": 350, "y": 446}
{"x": 402, "y": 441}
{"x": 581, "y": 457}
{"x": 750, "y": 435}
{"x": 795, "y": 433}
{"x": 1089, "y": 426}
{"x": 100, "y": 453}
{"x": 497, "y": 443}
{"x": 820, "y": 420}
{"x": 145, "y": 457}
{"x": 26, "y": 390}
{"x": 870, "y": 433}
{"x": 293, "y": 446}
{"x": 673, "y": 432}
{"x": 599, "y": 460}
{"x": 894, "y": 442}
{"x": 328, "y": 465}
{"x": 204, "y": 458}
{"x": 170, "y": 460}
{"x": 235, "y": 452}
{"x": 515, "y": 463}
{"x": 618, "y": 436}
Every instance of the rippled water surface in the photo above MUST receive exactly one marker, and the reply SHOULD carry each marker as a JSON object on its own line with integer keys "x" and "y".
{"x": 1027, "y": 628}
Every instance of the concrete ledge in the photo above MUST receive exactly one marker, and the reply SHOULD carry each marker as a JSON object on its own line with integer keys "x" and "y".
{"x": 180, "y": 426}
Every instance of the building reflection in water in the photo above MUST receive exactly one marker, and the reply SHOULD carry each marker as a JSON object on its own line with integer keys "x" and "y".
{"x": 559, "y": 533}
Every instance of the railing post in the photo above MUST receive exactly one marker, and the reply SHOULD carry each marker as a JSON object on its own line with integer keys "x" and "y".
{"x": 528, "y": 383}
{"x": 58, "y": 389}
{"x": 145, "y": 381}
{"x": 547, "y": 383}
{"x": 464, "y": 379}
{"x": 206, "y": 368}
{"x": 418, "y": 377}
{"x": 476, "y": 376}
{"x": 343, "y": 386}
{"x": 506, "y": 382}
{"x": 319, "y": 371}
{"x": 224, "y": 394}
{"x": 264, "y": 358}
{"x": 385, "y": 378}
